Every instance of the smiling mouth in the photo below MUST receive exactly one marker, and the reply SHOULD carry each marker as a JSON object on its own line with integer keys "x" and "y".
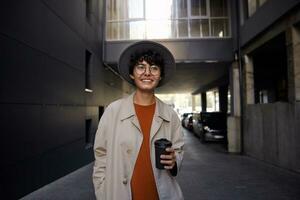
{"x": 147, "y": 80}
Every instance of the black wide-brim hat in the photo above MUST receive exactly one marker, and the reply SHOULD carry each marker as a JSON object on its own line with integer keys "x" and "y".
{"x": 143, "y": 46}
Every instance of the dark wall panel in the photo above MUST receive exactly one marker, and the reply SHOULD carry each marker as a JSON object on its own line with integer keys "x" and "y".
{"x": 63, "y": 160}
{"x": 19, "y": 72}
{"x": 296, "y": 163}
{"x": 20, "y": 178}
{"x": 43, "y": 105}
{"x": 20, "y": 132}
{"x": 61, "y": 84}
{"x": 29, "y": 76}
{"x": 32, "y": 23}
{"x": 75, "y": 19}
{"x": 22, "y": 20}
{"x": 61, "y": 125}
{"x": 61, "y": 42}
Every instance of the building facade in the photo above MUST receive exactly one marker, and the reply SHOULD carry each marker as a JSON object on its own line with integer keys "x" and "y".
{"x": 269, "y": 82}
{"x": 58, "y": 72}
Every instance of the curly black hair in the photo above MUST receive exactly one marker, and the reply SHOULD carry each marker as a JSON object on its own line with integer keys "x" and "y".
{"x": 151, "y": 57}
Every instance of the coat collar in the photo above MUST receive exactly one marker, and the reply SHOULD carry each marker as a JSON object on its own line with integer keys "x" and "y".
{"x": 128, "y": 111}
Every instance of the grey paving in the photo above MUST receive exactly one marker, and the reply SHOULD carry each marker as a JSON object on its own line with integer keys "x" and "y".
{"x": 207, "y": 173}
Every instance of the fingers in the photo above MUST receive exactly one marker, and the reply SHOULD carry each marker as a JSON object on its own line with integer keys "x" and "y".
{"x": 168, "y": 160}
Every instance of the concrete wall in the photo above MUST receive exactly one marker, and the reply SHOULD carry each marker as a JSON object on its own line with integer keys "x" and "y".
{"x": 271, "y": 133}
{"x": 264, "y": 17}
{"x": 43, "y": 102}
{"x": 183, "y": 50}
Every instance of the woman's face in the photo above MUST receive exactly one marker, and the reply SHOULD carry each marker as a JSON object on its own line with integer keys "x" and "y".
{"x": 146, "y": 77}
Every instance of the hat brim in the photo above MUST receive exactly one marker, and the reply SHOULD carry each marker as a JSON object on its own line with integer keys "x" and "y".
{"x": 142, "y": 46}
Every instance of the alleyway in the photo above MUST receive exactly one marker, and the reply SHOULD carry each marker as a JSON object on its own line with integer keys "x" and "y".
{"x": 208, "y": 173}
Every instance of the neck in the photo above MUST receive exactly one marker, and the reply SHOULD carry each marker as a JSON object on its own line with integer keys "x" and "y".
{"x": 144, "y": 98}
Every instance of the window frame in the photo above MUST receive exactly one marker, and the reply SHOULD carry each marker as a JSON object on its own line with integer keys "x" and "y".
{"x": 174, "y": 20}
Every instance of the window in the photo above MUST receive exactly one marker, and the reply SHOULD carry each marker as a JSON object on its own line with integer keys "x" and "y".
{"x": 144, "y": 19}
{"x": 212, "y": 99}
{"x": 253, "y": 5}
{"x": 228, "y": 101}
{"x": 88, "y": 10}
{"x": 100, "y": 112}
{"x": 89, "y": 136}
{"x": 270, "y": 71}
{"x": 88, "y": 58}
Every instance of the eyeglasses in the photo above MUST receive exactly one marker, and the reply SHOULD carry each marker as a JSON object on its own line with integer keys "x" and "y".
{"x": 141, "y": 69}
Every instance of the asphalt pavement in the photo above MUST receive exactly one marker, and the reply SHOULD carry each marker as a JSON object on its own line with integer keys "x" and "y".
{"x": 208, "y": 173}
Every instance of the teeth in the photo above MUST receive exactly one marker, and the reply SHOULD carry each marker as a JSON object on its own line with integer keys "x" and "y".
{"x": 146, "y": 80}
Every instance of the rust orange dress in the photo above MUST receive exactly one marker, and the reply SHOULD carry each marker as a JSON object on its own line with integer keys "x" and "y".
{"x": 143, "y": 182}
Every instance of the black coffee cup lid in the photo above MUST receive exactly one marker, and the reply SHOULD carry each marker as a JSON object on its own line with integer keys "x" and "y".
{"x": 163, "y": 142}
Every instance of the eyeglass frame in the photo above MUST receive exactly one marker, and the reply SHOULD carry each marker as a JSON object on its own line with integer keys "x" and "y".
{"x": 145, "y": 66}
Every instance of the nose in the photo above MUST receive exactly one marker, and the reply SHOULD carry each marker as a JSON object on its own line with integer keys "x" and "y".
{"x": 147, "y": 71}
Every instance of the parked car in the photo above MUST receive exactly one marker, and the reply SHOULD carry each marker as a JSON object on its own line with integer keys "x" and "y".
{"x": 214, "y": 126}
{"x": 188, "y": 122}
{"x": 197, "y": 124}
{"x": 183, "y": 116}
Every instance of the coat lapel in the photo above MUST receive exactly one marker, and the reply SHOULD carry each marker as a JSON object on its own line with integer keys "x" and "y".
{"x": 136, "y": 123}
{"x": 156, "y": 124}
{"x": 160, "y": 115}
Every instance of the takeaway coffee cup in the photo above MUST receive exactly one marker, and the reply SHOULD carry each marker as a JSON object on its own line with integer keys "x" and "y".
{"x": 160, "y": 148}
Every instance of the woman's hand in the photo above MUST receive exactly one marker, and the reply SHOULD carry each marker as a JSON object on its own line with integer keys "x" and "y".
{"x": 168, "y": 160}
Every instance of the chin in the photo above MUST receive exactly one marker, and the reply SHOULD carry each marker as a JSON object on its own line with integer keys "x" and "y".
{"x": 146, "y": 87}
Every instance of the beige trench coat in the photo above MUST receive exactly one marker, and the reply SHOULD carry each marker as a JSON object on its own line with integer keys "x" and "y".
{"x": 117, "y": 143}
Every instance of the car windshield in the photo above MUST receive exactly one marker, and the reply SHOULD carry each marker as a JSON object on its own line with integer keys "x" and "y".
{"x": 214, "y": 120}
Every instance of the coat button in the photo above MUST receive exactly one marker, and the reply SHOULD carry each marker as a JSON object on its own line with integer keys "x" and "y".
{"x": 124, "y": 181}
{"x": 129, "y": 151}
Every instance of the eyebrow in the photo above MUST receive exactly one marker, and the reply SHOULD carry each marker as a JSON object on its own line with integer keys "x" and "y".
{"x": 149, "y": 64}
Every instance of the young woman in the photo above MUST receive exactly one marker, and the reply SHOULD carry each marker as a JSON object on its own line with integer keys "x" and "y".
{"x": 124, "y": 149}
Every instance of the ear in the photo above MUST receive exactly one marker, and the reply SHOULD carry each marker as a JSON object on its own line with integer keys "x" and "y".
{"x": 131, "y": 76}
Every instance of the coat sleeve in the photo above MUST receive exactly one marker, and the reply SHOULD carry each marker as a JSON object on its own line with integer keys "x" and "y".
{"x": 178, "y": 143}
{"x": 100, "y": 156}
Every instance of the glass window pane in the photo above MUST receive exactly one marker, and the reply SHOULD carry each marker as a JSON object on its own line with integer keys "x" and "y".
{"x": 251, "y": 7}
{"x": 117, "y": 30}
{"x": 181, "y": 8}
{"x": 165, "y": 19}
{"x": 174, "y": 28}
{"x": 198, "y": 8}
{"x": 111, "y": 31}
{"x": 183, "y": 28}
{"x": 204, "y": 29}
{"x": 199, "y": 28}
{"x": 195, "y": 27}
{"x": 137, "y": 30}
{"x": 195, "y": 7}
{"x": 125, "y": 30}
{"x": 218, "y": 8}
{"x": 153, "y": 32}
{"x": 158, "y": 9}
{"x": 261, "y": 2}
{"x": 136, "y": 9}
{"x": 203, "y": 8}
{"x": 219, "y": 27}
{"x": 112, "y": 10}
